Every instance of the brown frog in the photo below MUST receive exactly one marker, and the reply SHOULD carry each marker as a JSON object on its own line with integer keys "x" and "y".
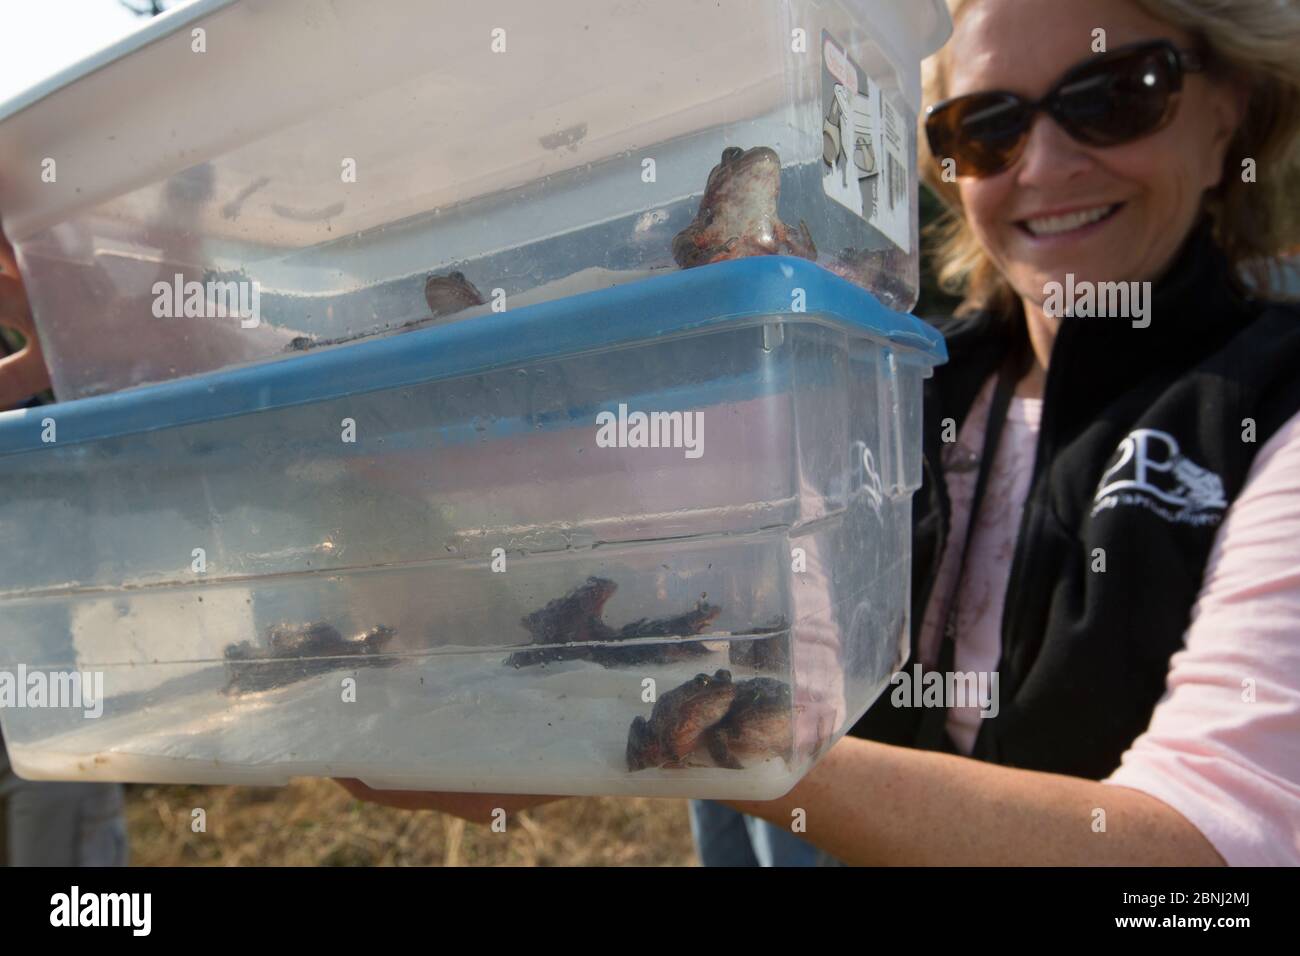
{"x": 758, "y": 724}
{"x": 574, "y": 618}
{"x": 446, "y": 295}
{"x": 298, "y": 651}
{"x": 763, "y": 653}
{"x": 573, "y": 628}
{"x": 738, "y": 214}
{"x": 304, "y": 640}
{"x": 728, "y": 720}
{"x": 322, "y": 640}
{"x": 450, "y": 294}
{"x": 678, "y": 721}
{"x": 692, "y": 622}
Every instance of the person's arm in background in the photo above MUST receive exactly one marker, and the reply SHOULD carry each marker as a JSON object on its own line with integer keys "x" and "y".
{"x": 22, "y": 374}
{"x": 1215, "y": 777}
{"x": 869, "y": 803}
{"x": 872, "y": 804}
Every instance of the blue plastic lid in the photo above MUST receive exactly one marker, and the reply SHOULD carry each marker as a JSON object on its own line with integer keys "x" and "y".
{"x": 726, "y": 293}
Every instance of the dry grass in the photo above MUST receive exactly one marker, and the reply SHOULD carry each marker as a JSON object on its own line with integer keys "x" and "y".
{"x": 316, "y": 823}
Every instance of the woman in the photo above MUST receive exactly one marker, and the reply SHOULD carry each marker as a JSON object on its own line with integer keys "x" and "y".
{"x": 1131, "y": 572}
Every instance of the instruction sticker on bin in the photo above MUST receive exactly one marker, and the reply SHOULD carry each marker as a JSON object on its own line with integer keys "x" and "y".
{"x": 864, "y": 147}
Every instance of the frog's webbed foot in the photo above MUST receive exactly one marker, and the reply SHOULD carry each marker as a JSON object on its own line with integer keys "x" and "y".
{"x": 716, "y": 741}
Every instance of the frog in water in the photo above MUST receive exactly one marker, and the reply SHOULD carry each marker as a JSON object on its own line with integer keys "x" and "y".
{"x": 763, "y": 653}
{"x": 678, "y": 721}
{"x": 303, "y": 640}
{"x": 729, "y": 720}
{"x": 297, "y": 651}
{"x": 574, "y": 618}
{"x": 692, "y": 622}
{"x": 322, "y": 640}
{"x": 738, "y": 214}
{"x": 450, "y": 294}
{"x": 445, "y": 294}
{"x": 758, "y": 724}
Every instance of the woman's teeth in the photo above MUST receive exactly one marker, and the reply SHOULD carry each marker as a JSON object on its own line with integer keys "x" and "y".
{"x": 1051, "y": 225}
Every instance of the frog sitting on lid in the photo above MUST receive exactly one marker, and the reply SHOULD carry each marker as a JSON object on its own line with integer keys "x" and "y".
{"x": 738, "y": 215}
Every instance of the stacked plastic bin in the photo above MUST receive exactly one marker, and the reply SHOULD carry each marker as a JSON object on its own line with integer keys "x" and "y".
{"x": 525, "y": 403}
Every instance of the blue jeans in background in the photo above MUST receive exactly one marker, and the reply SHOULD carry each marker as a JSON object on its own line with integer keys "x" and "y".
{"x": 725, "y": 837}
{"x": 44, "y": 823}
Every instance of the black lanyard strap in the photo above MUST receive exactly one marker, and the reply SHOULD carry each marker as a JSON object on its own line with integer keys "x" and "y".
{"x": 933, "y": 730}
{"x": 1002, "y": 392}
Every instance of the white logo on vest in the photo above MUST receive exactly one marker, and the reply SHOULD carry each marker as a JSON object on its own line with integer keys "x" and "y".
{"x": 1148, "y": 470}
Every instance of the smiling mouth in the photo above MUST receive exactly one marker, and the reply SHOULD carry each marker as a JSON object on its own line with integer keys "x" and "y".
{"x": 1050, "y": 226}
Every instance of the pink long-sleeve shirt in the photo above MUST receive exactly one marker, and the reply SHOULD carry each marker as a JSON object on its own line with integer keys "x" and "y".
{"x": 1223, "y": 746}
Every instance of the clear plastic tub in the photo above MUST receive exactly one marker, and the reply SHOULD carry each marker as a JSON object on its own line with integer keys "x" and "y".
{"x": 454, "y": 559}
{"x": 334, "y": 155}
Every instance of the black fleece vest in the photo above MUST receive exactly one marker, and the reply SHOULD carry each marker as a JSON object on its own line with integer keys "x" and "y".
{"x": 1140, "y": 453}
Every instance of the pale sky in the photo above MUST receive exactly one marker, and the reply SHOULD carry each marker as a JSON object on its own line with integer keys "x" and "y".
{"x": 41, "y": 37}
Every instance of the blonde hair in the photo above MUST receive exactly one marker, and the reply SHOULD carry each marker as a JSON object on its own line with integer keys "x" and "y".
{"x": 1254, "y": 42}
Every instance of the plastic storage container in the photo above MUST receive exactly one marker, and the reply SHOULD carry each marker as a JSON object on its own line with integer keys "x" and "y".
{"x": 334, "y": 155}
{"x": 459, "y": 559}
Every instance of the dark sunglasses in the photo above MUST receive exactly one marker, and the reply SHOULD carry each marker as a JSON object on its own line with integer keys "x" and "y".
{"x": 1110, "y": 99}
